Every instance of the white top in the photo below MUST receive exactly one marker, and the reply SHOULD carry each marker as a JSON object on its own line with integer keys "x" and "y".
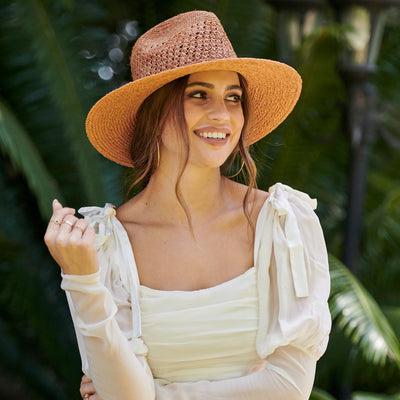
{"x": 292, "y": 282}
{"x": 213, "y": 333}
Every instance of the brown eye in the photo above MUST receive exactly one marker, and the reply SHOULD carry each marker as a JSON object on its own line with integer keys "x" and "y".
{"x": 235, "y": 98}
{"x": 198, "y": 94}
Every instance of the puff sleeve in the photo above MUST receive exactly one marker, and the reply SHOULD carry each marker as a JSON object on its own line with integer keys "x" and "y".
{"x": 293, "y": 275}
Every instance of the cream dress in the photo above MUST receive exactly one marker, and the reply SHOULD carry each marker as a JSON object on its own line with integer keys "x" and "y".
{"x": 257, "y": 336}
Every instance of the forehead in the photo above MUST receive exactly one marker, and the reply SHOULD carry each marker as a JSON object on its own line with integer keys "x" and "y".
{"x": 215, "y": 76}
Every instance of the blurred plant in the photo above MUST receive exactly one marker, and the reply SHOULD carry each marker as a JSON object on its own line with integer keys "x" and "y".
{"x": 60, "y": 56}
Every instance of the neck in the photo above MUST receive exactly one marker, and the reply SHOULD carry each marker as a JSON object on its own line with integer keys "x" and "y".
{"x": 202, "y": 190}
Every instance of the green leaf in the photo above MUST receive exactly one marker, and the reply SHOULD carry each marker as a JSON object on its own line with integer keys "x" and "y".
{"x": 360, "y": 317}
{"x": 17, "y": 144}
{"x": 318, "y": 394}
{"x": 19, "y": 364}
{"x": 373, "y": 396}
{"x": 58, "y": 75}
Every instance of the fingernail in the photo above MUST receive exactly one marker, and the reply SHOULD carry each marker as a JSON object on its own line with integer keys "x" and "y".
{"x": 55, "y": 201}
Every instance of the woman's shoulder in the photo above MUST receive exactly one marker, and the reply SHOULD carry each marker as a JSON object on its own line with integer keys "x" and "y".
{"x": 125, "y": 211}
{"x": 256, "y": 198}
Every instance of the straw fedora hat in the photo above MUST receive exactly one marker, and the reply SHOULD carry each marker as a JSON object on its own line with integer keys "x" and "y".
{"x": 190, "y": 42}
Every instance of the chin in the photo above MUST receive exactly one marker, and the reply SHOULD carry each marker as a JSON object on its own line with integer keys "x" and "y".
{"x": 210, "y": 162}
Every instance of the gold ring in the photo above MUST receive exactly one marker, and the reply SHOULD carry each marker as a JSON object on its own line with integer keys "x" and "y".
{"x": 86, "y": 396}
{"x": 69, "y": 223}
{"x": 81, "y": 229}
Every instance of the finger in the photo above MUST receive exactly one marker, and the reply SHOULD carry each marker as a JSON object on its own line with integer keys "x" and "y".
{"x": 89, "y": 234}
{"x": 57, "y": 208}
{"x": 57, "y": 218}
{"x": 85, "y": 379}
{"x": 87, "y": 389}
{"x": 68, "y": 223}
{"x": 56, "y": 205}
{"x": 63, "y": 234}
{"x": 59, "y": 211}
{"x": 79, "y": 228}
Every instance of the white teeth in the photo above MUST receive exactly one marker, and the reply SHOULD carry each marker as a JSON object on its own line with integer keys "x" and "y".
{"x": 213, "y": 135}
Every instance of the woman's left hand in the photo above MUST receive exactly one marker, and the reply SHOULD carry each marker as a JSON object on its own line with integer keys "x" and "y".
{"x": 87, "y": 390}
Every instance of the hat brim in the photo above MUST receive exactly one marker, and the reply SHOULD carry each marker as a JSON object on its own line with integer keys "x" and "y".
{"x": 273, "y": 87}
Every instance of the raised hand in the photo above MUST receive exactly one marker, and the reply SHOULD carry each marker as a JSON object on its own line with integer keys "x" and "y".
{"x": 70, "y": 241}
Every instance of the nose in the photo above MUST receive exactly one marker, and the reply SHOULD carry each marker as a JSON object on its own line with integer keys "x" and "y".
{"x": 217, "y": 110}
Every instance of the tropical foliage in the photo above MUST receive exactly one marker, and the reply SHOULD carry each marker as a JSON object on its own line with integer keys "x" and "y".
{"x": 60, "y": 56}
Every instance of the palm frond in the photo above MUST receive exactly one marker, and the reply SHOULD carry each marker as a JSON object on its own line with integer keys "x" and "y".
{"x": 382, "y": 237}
{"x": 318, "y": 394}
{"x": 20, "y": 364}
{"x": 17, "y": 144}
{"x": 358, "y": 315}
{"x": 306, "y": 137}
{"x": 57, "y": 74}
{"x": 373, "y": 396}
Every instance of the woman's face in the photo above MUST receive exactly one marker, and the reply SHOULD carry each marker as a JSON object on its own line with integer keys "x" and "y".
{"x": 214, "y": 118}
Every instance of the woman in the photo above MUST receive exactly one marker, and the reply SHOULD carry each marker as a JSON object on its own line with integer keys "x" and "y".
{"x": 198, "y": 287}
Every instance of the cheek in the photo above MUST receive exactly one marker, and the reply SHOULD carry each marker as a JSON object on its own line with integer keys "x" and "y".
{"x": 241, "y": 120}
{"x": 170, "y": 138}
{"x": 190, "y": 115}
{"x": 238, "y": 119}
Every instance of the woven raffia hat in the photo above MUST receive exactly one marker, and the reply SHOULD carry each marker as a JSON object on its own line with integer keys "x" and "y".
{"x": 191, "y": 42}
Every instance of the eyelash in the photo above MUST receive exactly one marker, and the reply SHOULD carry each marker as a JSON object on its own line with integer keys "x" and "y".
{"x": 203, "y": 94}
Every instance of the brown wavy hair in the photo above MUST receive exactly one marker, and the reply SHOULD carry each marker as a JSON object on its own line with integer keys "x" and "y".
{"x": 151, "y": 118}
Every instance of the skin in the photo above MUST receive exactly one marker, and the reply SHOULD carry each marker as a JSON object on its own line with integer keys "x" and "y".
{"x": 155, "y": 219}
{"x": 71, "y": 241}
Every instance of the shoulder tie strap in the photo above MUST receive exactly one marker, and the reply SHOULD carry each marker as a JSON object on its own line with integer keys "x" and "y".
{"x": 279, "y": 200}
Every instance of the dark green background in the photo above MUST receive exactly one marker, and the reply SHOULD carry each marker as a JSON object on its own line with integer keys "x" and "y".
{"x": 51, "y": 53}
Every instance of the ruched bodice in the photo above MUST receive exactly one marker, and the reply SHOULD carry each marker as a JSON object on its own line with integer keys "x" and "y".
{"x": 277, "y": 312}
{"x": 201, "y": 334}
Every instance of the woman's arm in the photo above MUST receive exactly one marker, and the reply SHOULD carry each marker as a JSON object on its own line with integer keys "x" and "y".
{"x": 288, "y": 375}
{"x": 113, "y": 366}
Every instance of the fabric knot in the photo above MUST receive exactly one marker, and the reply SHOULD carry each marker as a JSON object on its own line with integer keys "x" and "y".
{"x": 111, "y": 211}
{"x": 101, "y": 218}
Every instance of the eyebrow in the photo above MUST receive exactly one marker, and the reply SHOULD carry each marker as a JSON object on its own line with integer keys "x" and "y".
{"x": 211, "y": 86}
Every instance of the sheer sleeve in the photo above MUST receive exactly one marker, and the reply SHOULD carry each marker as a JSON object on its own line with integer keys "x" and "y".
{"x": 293, "y": 275}
{"x": 288, "y": 375}
{"x": 106, "y": 315}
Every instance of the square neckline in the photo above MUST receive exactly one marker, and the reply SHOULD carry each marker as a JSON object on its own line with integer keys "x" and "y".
{"x": 209, "y": 289}
{"x": 227, "y": 282}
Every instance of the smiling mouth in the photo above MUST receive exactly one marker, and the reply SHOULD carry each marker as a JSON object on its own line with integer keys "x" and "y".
{"x": 212, "y": 135}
